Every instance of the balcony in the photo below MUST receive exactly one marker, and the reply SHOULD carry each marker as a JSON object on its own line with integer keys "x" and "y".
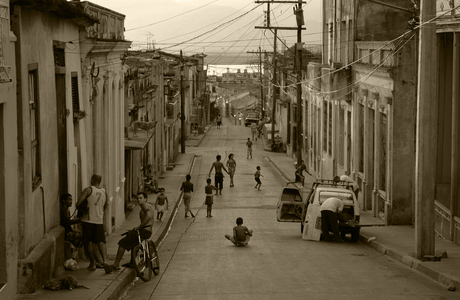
{"x": 111, "y": 23}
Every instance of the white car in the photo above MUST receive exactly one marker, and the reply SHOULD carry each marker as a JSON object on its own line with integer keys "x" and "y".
{"x": 293, "y": 207}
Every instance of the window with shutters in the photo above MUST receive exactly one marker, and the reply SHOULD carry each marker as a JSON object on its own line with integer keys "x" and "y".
{"x": 34, "y": 119}
{"x": 75, "y": 99}
{"x": 77, "y": 113}
{"x": 325, "y": 126}
{"x": 341, "y": 130}
{"x": 330, "y": 130}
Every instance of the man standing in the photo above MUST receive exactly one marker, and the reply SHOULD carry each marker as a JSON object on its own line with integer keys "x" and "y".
{"x": 254, "y": 130}
{"x": 219, "y": 176}
{"x": 131, "y": 240}
{"x": 187, "y": 188}
{"x": 329, "y": 211}
{"x": 92, "y": 222}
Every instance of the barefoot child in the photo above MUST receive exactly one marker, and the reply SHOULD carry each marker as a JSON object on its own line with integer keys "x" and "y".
{"x": 209, "y": 201}
{"x": 161, "y": 204}
{"x": 257, "y": 178}
{"x": 241, "y": 234}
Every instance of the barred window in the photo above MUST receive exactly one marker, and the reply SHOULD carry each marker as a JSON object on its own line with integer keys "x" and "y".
{"x": 325, "y": 126}
{"x": 34, "y": 115}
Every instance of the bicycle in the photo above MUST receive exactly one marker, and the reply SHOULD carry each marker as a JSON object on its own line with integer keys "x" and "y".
{"x": 145, "y": 258}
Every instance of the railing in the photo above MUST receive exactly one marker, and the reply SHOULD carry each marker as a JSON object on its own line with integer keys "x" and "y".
{"x": 111, "y": 23}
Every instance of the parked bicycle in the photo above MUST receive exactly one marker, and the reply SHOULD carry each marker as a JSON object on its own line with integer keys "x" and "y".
{"x": 145, "y": 258}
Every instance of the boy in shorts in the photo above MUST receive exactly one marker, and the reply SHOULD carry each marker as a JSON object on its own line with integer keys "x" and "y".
{"x": 241, "y": 234}
{"x": 209, "y": 188}
{"x": 161, "y": 204}
{"x": 257, "y": 178}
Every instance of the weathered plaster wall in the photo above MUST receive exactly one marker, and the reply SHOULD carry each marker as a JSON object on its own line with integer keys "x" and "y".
{"x": 9, "y": 235}
{"x": 39, "y": 208}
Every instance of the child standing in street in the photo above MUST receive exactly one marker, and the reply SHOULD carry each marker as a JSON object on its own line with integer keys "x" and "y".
{"x": 241, "y": 234}
{"x": 257, "y": 178}
{"x": 161, "y": 204}
{"x": 249, "y": 144}
{"x": 209, "y": 201}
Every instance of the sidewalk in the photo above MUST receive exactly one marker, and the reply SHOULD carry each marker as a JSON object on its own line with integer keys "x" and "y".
{"x": 111, "y": 286}
{"x": 397, "y": 242}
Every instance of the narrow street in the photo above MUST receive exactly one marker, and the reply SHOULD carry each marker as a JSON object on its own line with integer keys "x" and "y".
{"x": 197, "y": 262}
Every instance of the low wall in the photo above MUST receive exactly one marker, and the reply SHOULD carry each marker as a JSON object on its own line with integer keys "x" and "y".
{"x": 44, "y": 262}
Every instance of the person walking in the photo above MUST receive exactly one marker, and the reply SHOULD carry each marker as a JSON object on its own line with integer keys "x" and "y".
{"x": 92, "y": 222}
{"x": 218, "y": 121}
{"x": 241, "y": 234}
{"x": 131, "y": 240}
{"x": 187, "y": 188}
{"x": 330, "y": 209}
{"x": 249, "y": 145}
{"x": 254, "y": 131}
{"x": 219, "y": 176}
{"x": 231, "y": 165}
{"x": 257, "y": 176}
{"x": 161, "y": 204}
{"x": 298, "y": 173}
{"x": 209, "y": 197}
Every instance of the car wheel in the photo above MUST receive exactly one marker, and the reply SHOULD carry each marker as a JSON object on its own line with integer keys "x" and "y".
{"x": 355, "y": 236}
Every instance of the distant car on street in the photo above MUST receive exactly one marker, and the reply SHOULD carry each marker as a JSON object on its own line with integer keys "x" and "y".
{"x": 251, "y": 118}
{"x": 293, "y": 207}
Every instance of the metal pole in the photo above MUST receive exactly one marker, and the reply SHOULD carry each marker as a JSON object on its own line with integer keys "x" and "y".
{"x": 182, "y": 104}
{"x": 262, "y": 104}
{"x": 274, "y": 88}
{"x": 299, "y": 89}
{"x": 426, "y": 133}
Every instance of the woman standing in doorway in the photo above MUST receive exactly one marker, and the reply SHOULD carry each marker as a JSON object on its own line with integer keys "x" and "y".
{"x": 231, "y": 165}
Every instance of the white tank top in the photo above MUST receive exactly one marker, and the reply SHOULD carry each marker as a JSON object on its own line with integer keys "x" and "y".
{"x": 96, "y": 202}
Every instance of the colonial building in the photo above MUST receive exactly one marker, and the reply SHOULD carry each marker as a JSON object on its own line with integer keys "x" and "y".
{"x": 9, "y": 209}
{"x": 65, "y": 126}
{"x": 447, "y": 204}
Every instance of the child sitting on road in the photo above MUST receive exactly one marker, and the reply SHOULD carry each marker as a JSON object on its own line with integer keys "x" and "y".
{"x": 161, "y": 204}
{"x": 241, "y": 234}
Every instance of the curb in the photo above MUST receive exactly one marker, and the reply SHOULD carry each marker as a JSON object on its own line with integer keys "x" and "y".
{"x": 117, "y": 287}
{"x": 205, "y": 132}
{"x": 410, "y": 262}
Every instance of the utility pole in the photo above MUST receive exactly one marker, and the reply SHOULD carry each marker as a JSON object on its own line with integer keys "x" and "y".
{"x": 299, "y": 15}
{"x": 274, "y": 87}
{"x": 182, "y": 104}
{"x": 300, "y": 22}
{"x": 262, "y": 104}
{"x": 426, "y": 133}
{"x": 261, "y": 85}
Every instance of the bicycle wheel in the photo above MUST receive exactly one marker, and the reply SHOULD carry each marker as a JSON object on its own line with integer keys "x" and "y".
{"x": 141, "y": 262}
{"x": 154, "y": 259}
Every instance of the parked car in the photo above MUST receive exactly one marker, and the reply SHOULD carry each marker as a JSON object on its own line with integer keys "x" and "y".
{"x": 294, "y": 207}
{"x": 251, "y": 118}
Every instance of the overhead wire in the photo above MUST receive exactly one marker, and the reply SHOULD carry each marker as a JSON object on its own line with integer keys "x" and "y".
{"x": 232, "y": 20}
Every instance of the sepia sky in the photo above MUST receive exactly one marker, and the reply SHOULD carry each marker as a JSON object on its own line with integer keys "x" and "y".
{"x": 221, "y": 29}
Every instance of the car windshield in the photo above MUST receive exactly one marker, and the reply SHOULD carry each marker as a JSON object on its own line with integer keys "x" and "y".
{"x": 347, "y": 198}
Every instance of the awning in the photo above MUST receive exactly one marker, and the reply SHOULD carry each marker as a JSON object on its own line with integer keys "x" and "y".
{"x": 138, "y": 142}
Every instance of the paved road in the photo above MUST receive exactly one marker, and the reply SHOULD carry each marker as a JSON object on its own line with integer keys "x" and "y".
{"x": 199, "y": 263}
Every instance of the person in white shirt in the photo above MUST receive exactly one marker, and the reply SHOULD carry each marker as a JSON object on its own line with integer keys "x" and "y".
{"x": 329, "y": 211}
{"x": 356, "y": 188}
{"x": 92, "y": 222}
